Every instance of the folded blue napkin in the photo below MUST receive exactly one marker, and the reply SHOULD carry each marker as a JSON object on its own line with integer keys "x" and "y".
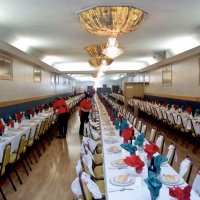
{"x": 116, "y": 121}
{"x": 140, "y": 139}
{"x": 153, "y": 184}
{"x": 27, "y": 115}
{"x": 158, "y": 160}
{"x": 129, "y": 147}
{"x": 114, "y": 113}
{"x": 123, "y": 126}
{"x": 36, "y": 110}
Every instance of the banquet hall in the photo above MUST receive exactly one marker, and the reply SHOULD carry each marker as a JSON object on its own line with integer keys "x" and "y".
{"x": 128, "y": 71}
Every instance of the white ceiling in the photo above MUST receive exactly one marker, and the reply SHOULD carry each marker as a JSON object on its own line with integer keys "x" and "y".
{"x": 51, "y": 28}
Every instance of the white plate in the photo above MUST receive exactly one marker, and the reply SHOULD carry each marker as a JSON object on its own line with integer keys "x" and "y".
{"x": 115, "y": 164}
{"x": 110, "y": 150}
{"x": 177, "y": 180}
{"x": 111, "y": 140}
{"x": 114, "y": 181}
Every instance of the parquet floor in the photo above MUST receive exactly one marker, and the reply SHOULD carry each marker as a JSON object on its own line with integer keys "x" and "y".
{"x": 52, "y": 176}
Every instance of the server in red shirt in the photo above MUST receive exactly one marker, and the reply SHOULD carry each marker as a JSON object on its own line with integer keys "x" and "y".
{"x": 85, "y": 107}
{"x": 60, "y": 107}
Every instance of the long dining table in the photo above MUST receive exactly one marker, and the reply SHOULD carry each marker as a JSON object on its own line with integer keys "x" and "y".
{"x": 13, "y": 135}
{"x": 137, "y": 189}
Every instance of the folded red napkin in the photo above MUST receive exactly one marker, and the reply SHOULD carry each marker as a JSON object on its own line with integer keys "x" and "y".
{"x": 2, "y": 127}
{"x": 127, "y": 134}
{"x": 120, "y": 117}
{"x": 40, "y": 108}
{"x": 10, "y": 123}
{"x": 136, "y": 162}
{"x": 180, "y": 194}
{"x": 150, "y": 149}
{"x": 189, "y": 109}
{"x": 19, "y": 117}
{"x": 112, "y": 118}
{"x": 31, "y": 112}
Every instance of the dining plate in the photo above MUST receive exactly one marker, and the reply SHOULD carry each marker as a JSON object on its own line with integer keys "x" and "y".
{"x": 114, "y": 149}
{"x": 171, "y": 179}
{"x": 122, "y": 180}
{"x": 110, "y": 140}
{"x": 118, "y": 163}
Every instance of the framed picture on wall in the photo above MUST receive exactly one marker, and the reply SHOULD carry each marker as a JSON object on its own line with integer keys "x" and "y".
{"x": 167, "y": 76}
{"x": 37, "y": 75}
{"x": 6, "y": 68}
{"x": 146, "y": 78}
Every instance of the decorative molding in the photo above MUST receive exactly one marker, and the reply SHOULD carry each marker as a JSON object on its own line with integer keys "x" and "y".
{"x": 25, "y": 100}
{"x": 187, "y": 98}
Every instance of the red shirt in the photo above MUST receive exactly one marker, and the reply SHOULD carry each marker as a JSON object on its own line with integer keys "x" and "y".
{"x": 61, "y": 106}
{"x": 87, "y": 105}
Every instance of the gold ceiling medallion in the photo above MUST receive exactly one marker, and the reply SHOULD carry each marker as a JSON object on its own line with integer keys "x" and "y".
{"x": 95, "y": 51}
{"x": 111, "y": 20}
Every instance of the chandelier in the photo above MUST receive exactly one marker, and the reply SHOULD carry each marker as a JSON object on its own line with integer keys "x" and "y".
{"x": 96, "y": 62}
{"x": 111, "y": 20}
{"x": 95, "y": 51}
{"x": 112, "y": 51}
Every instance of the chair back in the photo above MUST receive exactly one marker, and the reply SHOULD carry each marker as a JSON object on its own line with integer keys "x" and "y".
{"x": 87, "y": 195}
{"x": 188, "y": 173}
{"x": 36, "y": 132}
{"x": 144, "y": 129}
{"x": 190, "y": 125}
{"x": 46, "y": 125}
{"x": 195, "y": 185}
{"x": 22, "y": 144}
{"x": 160, "y": 143}
{"x": 41, "y": 129}
{"x": 139, "y": 126}
{"x": 186, "y": 168}
{"x": 171, "y": 153}
{"x": 135, "y": 121}
{"x": 152, "y": 135}
{"x": 5, "y": 159}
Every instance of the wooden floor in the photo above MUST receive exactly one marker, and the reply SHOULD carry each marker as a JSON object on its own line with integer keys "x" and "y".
{"x": 52, "y": 176}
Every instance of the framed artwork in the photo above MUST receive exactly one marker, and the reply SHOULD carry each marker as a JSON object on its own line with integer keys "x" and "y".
{"x": 37, "y": 74}
{"x": 167, "y": 76}
{"x": 146, "y": 78}
{"x": 6, "y": 68}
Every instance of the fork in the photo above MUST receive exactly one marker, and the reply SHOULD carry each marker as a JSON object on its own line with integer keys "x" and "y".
{"x": 121, "y": 190}
{"x": 117, "y": 167}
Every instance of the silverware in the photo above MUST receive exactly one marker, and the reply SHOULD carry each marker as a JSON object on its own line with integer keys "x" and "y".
{"x": 117, "y": 167}
{"x": 121, "y": 190}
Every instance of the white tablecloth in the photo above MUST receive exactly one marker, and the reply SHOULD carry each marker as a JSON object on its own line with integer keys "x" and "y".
{"x": 13, "y": 136}
{"x": 140, "y": 190}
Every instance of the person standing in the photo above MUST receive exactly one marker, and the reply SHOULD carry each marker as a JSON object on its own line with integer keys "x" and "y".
{"x": 85, "y": 107}
{"x": 60, "y": 107}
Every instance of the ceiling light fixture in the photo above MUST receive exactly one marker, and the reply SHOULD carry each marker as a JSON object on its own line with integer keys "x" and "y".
{"x": 111, "y": 21}
{"x": 112, "y": 51}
